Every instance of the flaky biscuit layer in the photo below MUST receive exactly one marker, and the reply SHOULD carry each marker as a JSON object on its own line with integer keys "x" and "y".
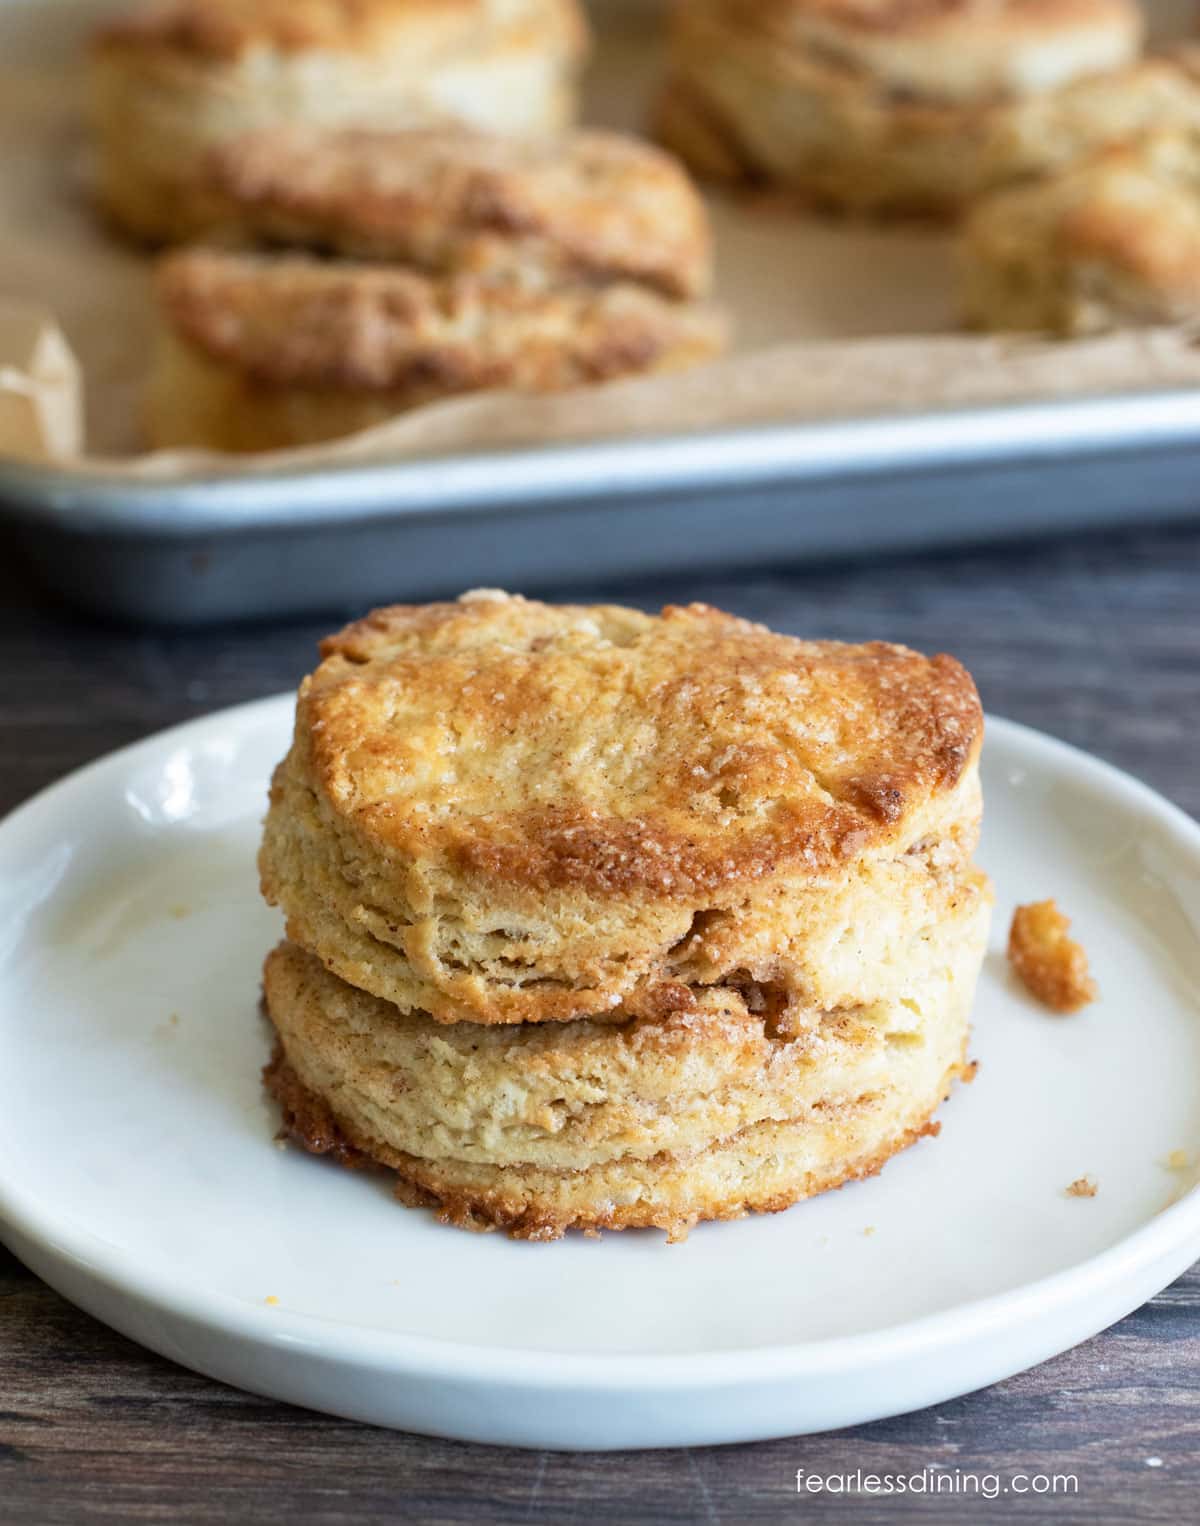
{"x": 853, "y": 1094}
{"x": 571, "y": 1096}
{"x": 593, "y": 205}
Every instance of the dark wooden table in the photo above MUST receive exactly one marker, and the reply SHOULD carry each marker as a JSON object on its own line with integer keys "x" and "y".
{"x": 1097, "y": 641}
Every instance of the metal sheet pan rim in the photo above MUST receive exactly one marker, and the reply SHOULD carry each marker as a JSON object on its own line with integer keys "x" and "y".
{"x": 490, "y": 482}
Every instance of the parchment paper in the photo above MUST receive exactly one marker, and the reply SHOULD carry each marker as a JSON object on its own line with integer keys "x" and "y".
{"x": 832, "y": 319}
{"x": 40, "y": 387}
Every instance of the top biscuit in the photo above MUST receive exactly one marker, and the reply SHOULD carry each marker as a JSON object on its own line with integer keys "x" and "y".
{"x": 553, "y": 745}
{"x": 226, "y": 29}
{"x": 501, "y": 788}
{"x": 595, "y": 205}
{"x": 963, "y": 51}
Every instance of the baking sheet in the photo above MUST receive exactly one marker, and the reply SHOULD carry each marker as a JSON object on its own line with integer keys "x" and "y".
{"x": 791, "y": 281}
{"x": 872, "y": 429}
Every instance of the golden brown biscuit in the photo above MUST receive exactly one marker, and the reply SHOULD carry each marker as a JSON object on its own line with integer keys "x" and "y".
{"x": 1045, "y": 134}
{"x": 266, "y": 352}
{"x": 618, "y": 1122}
{"x": 172, "y": 80}
{"x": 503, "y": 811}
{"x": 1114, "y": 242}
{"x": 874, "y": 104}
{"x": 945, "y": 50}
{"x": 596, "y": 205}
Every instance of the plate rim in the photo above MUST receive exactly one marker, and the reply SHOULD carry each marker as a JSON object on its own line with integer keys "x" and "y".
{"x": 1167, "y": 1235}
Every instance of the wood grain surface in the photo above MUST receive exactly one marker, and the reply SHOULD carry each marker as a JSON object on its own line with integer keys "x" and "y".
{"x": 1096, "y": 640}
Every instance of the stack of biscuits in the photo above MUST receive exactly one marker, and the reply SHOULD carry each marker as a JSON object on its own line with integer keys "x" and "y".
{"x": 597, "y": 919}
{"x": 175, "y": 78}
{"x": 381, "y": 270}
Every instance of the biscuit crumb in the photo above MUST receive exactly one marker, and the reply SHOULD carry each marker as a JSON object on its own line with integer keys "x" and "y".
{"x": 1053, "y": 967}
{"x": 179, "y": 911}
{"x": 870, "y": 1230}
{"x": 1083, "y": 1186}
{"x": 271, "y": 1299}
{"x": 1178, "y": 1160}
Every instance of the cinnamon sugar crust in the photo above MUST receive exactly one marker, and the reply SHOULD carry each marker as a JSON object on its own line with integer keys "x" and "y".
{"x": 595, "y": 205}
{"x": 292, "y": 321}
{"x": 741, "y": 750}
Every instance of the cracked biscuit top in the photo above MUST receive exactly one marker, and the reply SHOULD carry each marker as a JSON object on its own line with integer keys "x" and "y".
{"x": 623, "y": 753}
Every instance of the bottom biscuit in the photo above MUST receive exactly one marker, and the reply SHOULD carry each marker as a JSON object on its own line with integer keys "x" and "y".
{"x": 621, "y": 1121}
{"x": 764, "y": 1169}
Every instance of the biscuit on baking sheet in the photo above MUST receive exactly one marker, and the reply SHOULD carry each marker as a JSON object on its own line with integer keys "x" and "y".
{"x": 706, "y": 1112}
{"x": 264, "y": 352}
{"x": 171, "y": 80}
{"x": 882, "y": 105}
{"x": 1114, "y": 242}
{"x": 593, "y": 205}
{"x": 501, "y": 811}
{"x": 1045, "y": 134}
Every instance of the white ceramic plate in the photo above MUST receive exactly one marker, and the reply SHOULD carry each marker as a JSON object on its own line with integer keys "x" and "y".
{"x": 138, "y": 1174}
